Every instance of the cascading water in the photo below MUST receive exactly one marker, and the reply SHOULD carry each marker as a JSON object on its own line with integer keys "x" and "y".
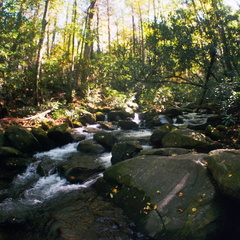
{"x": 32, "y": 197}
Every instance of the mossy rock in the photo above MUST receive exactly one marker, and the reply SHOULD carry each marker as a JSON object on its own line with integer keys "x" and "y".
{"x": 106, "y": 139}
{"x": 214, "y": 133}
{"x": 125, "y": 150}
{"x": 43, "y": 139}
{"x": 22, "y": 139}
{"x": 9, "y": 152}
{"x": 187, "y": 138}
{"x": 60, "y": 134}
{"x": 159, "y": 133}
{"x": 117, "y": 115}
{"x": 90, "y": 146}
{"x": 166, "y": 197}
{"x": 100, "y": 116}
{"x": 224, "y": 166}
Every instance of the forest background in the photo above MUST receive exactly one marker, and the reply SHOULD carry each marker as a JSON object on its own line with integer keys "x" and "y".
{"x": 153, "y": 53}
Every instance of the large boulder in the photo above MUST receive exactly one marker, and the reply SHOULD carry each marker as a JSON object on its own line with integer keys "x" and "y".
{"x": 22, "y": 139}
{"x": 159, "y": 133}
{"x": 187, "y": 138}
{"x": 60, "y": 134}
{"x": 224, "y": 166}
{"x": 125, "y": 150}
{"x": 167, "y": 197}
{"x": 106, "y": 139}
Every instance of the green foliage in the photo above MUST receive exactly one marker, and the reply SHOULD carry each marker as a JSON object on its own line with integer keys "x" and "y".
{"x": 226, "y": 95}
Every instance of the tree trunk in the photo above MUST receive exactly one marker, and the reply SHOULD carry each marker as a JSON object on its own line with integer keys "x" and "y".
{"x": 40, "y": 52}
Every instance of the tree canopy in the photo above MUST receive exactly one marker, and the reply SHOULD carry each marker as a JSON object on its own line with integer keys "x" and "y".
{"x": 106, "y": 52}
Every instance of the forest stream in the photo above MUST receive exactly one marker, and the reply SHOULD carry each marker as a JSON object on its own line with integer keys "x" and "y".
{"x": 49, "y": 207}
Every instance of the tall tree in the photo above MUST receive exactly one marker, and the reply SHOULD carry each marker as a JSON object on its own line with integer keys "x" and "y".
{"x": 41, "y": 51}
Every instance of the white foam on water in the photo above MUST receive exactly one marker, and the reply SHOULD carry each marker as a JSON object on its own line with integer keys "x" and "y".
{"x": 58, "y": 153}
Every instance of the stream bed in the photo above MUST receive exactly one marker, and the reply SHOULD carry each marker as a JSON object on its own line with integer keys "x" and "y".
{"x": 51, "y": 208}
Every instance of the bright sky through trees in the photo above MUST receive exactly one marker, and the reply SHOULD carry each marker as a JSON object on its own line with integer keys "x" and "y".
{"x": 233, "y": 3}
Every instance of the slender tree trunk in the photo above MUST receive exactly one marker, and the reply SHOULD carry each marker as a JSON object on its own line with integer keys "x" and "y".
{"x": 41, "y": 51}
{"x": 109, "y": 28}
{"x": 209, "y": 73}
{"x": 133, "y": 32}
{"x": 88, "y": 35}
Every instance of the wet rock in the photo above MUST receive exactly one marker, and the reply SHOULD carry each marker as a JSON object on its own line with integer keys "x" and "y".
{"x": 128, "y": 125}
{"x": 46, "y": 168}
{"x": 161, "y": 120}
{"x": 224, "y": 166}
{"x": 90, "y": 146}
{"x": 81, "y": 175}
{"x": 82, "y": 214}
{"x": 167, "y": 197}
{"x": 159, "y": 133}
{"x": 10, "y": 167}
{"x": 125, "y": 150}
{"x": 60, "y": 134}
{"x": 79, "y": 160}
{"x": 106, "y": 139}
{"x": 22, "y": 139}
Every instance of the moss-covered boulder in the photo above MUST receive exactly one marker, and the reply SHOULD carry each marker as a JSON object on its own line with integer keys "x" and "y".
{"x": 90, "y": 146}
{"x": 187, "y": 138}
{"x": 159, "y": 133}
{"x": 60, "y": 134}
{"x": 106, "y": 139}
{"x": 107, "y": 125}
{"x": 167, "y": 197}
{"x": 214, "y": 133}
{"x": 165, "y": 151}
{"x": 100, "y": 116}
{"x": 125, "y": 150}
{"x": 116, "y": 115}
{"x": 6, "y": 152}
{"x": 86, "y": 117}
{"x": 224, "y": 166}
{"x": 22, "y": 139}
{"x": 43, "y": 138}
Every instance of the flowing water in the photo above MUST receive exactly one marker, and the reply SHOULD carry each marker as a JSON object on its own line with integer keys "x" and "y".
{"x": 30, "y": 194}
